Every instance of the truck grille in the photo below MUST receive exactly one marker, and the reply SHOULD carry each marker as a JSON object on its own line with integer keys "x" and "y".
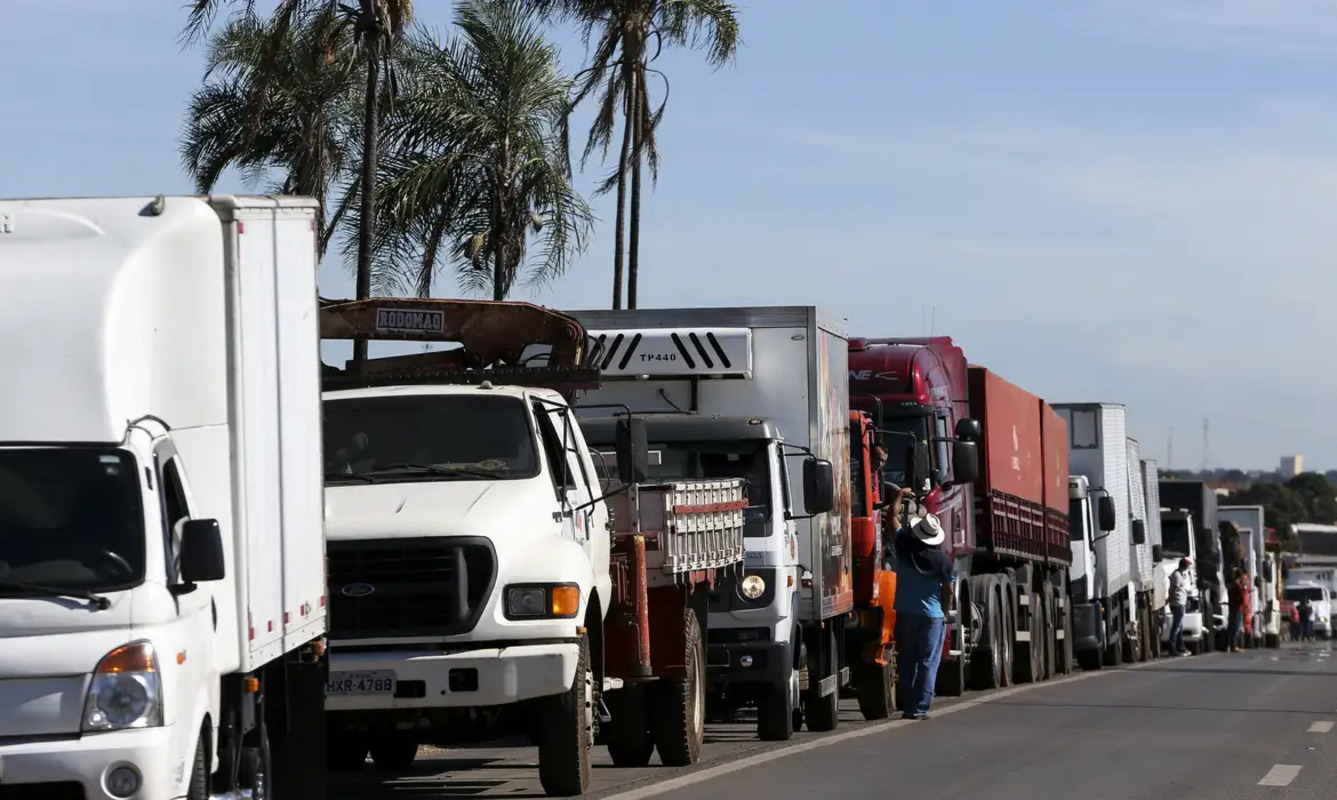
{"x": 408, "y": 587}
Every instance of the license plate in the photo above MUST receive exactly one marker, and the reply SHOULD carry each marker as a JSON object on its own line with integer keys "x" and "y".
{"x": 361, "y": 683}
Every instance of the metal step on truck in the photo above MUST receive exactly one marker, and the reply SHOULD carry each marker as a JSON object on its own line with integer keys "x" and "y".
{"x": 759, "y": 394}
{"x": 484, "y": 578}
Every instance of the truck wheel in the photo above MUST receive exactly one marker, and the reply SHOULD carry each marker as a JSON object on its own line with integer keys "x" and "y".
{"x": 823, "y": 713}
{"x": 627, "y": 734}
{"x": 1008, "y": 609}
{"x": 199, "y": 770}
{"x": 394, "y": 752}
{"x": 346, "y": 751}
{"x": 1030, "y": 655}
{"x": 566, "y": 733}
{"x": 680, "y": 703}
{"x": 876, "y": 688}
{"x": 1194, "y": 648}
{"x": 988, "y": 672}
{"x": 776, "y": 716}
{"x": 1046, "y": 644}
{"x": 1272, "y": 641}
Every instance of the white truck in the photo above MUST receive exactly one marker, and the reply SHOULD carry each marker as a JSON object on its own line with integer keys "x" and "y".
{"x": 162, "y": 593}
{"x": 761, "y": 394}
{"x": 1160, "y": 593}
{"x": 484, "y": 578}
{"x": 1179, "y": 541}
{"x": 1249, "y": 521}
{"x": 1320, "y": 597}
{"x": 1144, "y": 642}
{"x": 1303, "y": 574}
{"x": 1097, "y": 453}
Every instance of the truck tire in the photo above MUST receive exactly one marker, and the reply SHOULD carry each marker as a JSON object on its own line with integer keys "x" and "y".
{"x": 1272, "y": 641}
{"x": 198, "y": 789}
{"x": 256, "y": 771}
{"x": 394, "y": 752}
{"x": 1046, "y": 633}
{"x": 1030, "y": 655}
{"x": 988, "y": 670}
{"x": 822, "y": 713}
{"x": 566, "y": 732}
{"x": 776, "y": 717}
{"x": 876, "y": 690}
{"x": 1063, "y": 650}
{"x": 627, "y": 733}
{"x": 679, "y": 718}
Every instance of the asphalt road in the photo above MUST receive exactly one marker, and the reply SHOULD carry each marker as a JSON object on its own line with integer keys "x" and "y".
{"x": 1221, "y": 727}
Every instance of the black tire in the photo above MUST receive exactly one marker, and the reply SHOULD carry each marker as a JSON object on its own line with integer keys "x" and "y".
{"x": 987, "y": 663}
{"x": 1272, "y": 641}
{"x": 199, "y": 770}
{"x": 346, "y": 751}
{"x": 1046, "y": 633}
{"x": 876, "y": 690}
{"x": 679, "y": 719}
{"x": 257, "y": 765}
{"x": 822, "y": 713}
{"x": 1194, "y": 648}
{"x": 1113, "y": 649}
{"x": 1090, "y": 660}
{"x": 777, "y": 719}
{"x": 1063, "y": 652}
{"x": 1029, "y": 667}
{"x": 394, "y": 752}
{"x": 1008, "y": 609}
{"x": 628, "y": 736}
{"x": 566, "y": 732}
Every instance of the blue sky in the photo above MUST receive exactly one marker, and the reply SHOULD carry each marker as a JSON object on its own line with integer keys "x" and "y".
{"x": 1119, "y": 200}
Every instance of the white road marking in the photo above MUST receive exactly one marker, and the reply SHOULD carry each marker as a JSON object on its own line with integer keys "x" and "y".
{"x": 1322, "y": 726}
{"x": 683, "y": 781}
{"x": 1280, "y": 775}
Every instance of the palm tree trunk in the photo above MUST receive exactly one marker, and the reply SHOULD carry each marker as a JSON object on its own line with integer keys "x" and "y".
{"x": 366, "y": 227}
{"x": 634, "y": 224}
{"x": 619, "y": 234}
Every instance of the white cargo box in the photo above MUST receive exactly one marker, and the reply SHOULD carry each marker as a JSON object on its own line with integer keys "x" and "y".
{"x": 1099, "y": 452}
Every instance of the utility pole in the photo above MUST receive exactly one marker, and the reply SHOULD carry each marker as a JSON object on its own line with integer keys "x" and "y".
{"x": 1206, "y": 423}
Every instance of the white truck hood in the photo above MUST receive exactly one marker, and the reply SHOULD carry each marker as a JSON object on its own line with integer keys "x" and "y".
{"x": 440, "y": 508}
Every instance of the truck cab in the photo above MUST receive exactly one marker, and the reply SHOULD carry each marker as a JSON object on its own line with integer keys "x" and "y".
{"x": 1301, "y": 586}
{"x": 1090, "y": 518}
{"x": 1178, "y": 541}
{"x": 468, "y": 556}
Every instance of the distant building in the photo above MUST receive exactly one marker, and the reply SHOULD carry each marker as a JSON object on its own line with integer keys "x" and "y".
{"x": 1292, "y": 466}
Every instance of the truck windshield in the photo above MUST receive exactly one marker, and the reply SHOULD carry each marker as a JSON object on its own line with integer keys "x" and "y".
{"x": 1076, "y": 520}
{"x": 1175, "y": 538}
{"x": 1297, "y": 593}
{"x": 747, "y": 460}
{"x": 897, "y": 434}
{"x": 428, "y": 437}
{"x": 70, "y": 519}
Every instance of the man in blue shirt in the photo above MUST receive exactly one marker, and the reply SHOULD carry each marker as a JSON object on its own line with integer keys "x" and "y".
{"x": 923, "y": 584}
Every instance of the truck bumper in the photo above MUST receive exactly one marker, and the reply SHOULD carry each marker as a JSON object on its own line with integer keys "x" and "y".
{"x": 1086, "y": 627}
{"x": 59, "y": 767}
{"x": 485, "y": 676}
{"x": 732, "y": 663}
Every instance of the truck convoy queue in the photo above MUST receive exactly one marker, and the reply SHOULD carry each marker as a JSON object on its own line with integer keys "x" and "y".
{"x": 228, "y": 569}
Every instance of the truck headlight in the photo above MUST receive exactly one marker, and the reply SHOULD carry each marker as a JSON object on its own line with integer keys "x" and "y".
{"x": 752, "y": 587}
{"x": 542, "y": 601}
{"x": 126, "y": 691}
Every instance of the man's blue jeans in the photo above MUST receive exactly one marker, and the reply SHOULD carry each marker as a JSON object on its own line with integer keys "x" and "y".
{"x": 1176, "y": 629}
{"x": 919, "y": 651}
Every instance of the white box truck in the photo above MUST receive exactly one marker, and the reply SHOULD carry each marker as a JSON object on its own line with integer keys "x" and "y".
{"x": 1098, "y": 452}
{"x": 162, "y": 564}
{"x": 1144, "y": 642}
{"x": 1249, "y": 520}
{"x": 1160, "y": 592}
{"x": 756, "y": 393}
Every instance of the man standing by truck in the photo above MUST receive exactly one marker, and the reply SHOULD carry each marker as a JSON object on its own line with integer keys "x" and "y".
{"x": 923, "y": 581}
{"x": 1178, "y": 600}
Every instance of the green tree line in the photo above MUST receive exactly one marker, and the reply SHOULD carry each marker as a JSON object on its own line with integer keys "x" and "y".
{"x": 1309, "y": 497}
{"x": 436, "y": 151}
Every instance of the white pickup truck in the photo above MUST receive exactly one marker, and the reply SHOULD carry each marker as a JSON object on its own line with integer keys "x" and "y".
{"x": 162, "y": 595}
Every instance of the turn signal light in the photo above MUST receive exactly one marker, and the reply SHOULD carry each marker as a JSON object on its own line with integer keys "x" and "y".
{"x": 565, "y": 601}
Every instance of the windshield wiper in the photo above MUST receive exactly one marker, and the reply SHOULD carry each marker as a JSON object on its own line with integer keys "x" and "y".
{"x": 352, "y": 476}
{"x": 477, "y": 472}
{"x": 98, "y": 601}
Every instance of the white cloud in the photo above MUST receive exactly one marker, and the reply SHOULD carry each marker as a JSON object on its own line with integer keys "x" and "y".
{"x": 1287, "y": 27}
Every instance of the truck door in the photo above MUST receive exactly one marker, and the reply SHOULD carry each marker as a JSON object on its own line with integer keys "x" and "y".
{"x": 571, "y": 480}
{"x": 196, "y": 619}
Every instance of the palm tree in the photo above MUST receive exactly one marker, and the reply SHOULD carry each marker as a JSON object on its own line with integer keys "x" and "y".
{"x": 301, "y": 144}
{"x": 479, "y": 160}
{"x": 630, "y": 35}
{"x": 376, "y": 25}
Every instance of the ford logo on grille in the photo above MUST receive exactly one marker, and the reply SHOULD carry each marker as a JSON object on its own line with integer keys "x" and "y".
{"x": 357, "y": 590}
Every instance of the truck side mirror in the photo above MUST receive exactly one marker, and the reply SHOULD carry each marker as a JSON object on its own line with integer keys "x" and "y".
{"x": 633, "y": 450}
{"x": 202, "y": 551}
{"x": 1105, "y": 512}
{"x": 1139, "y": 532}
{"x": 819, "y": 486}
{"x": 968, "y": 429}
{"x": 1157, "y": 553}
{"x": 965, "y": 462}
